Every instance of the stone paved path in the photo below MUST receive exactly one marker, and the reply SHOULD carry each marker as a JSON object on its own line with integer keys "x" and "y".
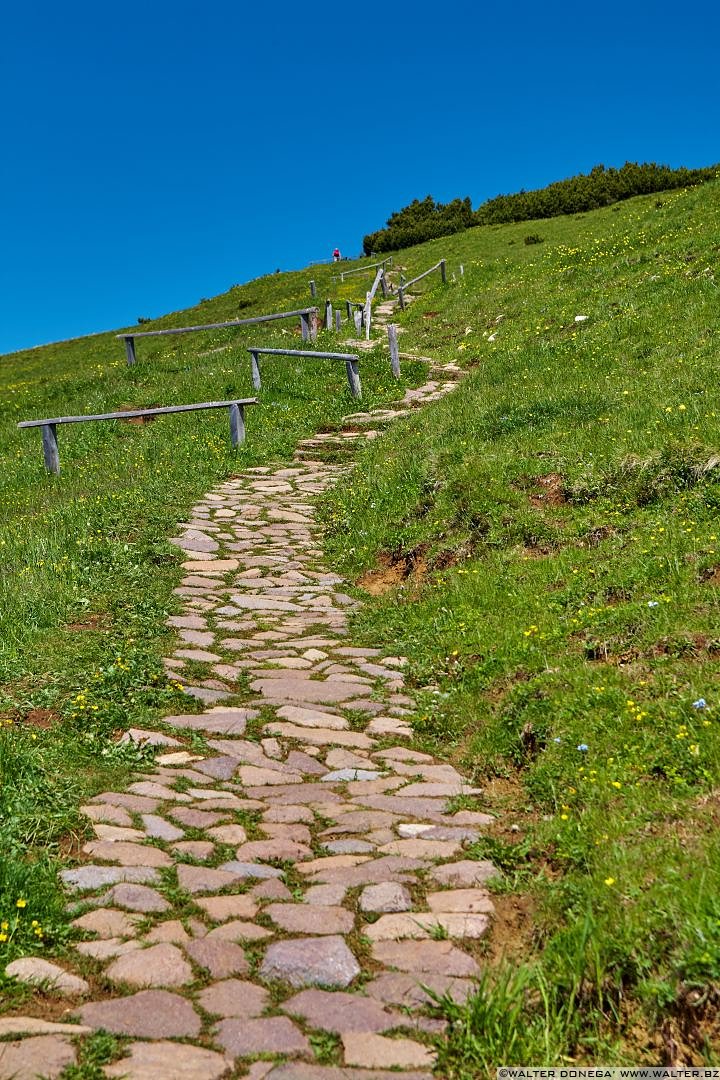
{"x": 289, "y": 874}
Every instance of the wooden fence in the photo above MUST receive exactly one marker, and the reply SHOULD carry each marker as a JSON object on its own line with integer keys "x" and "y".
{"x": 401, "y": 289}
{"x": 308, "y": 324}
{"x": 49, "y": 432}
{"x": 351, "y": 364}
{"x": 368, "y": 266}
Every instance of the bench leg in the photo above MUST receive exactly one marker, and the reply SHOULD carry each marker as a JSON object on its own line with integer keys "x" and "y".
{"x": 313, "y": 326}
{"x": 130, "y": 350}
{"x": 237, "y": 425}
{"x": 353, "y": 375}
{"x": 255, "y": 369}
{"x": 305, "y": 327}
{"x": 50, "y": 448}
{"x": 338, "y": 321}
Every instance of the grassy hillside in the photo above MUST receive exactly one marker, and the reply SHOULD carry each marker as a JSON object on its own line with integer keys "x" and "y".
{"x": 86, "y": 574}
{"x": 546, "y": 547}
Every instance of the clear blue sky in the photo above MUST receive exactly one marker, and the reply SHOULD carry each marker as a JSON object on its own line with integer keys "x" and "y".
{"x": 157, "y": 152}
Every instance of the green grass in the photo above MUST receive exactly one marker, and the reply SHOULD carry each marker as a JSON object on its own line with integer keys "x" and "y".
{"x": 557, "y": 519}
{"x": 86, "y": 573}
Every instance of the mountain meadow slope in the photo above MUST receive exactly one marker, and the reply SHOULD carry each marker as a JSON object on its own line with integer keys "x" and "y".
{"x": 543, "y": 544}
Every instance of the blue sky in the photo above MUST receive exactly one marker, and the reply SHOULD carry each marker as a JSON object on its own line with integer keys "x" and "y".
{"x": 154, "y": 153}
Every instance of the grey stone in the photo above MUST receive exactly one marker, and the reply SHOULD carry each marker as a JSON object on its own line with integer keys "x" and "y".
{"x": 90, "y": 876}
{"x": 137, "y": 898}
{"x": 234, "y": 997}
{"x": 220, "y": 958}
{"x": 321, "y": 961}
{"x": 158, "y": 965}
{"x": 384, "y": 897}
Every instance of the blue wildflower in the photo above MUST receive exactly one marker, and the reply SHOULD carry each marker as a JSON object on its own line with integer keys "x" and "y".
{"x": 583, "y": 747}
{"x": 700, "y": 703}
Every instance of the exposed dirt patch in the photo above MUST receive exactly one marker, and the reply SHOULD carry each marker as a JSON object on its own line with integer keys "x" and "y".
{"x": 40, "y": 718}
{"x": 552, "y": 493}
{"x": 394, "y": 571}
{"x": 711, "y": 576}
{"x": 512, "y": 929}
{"x": 92, "y": 622}
{"x": 430, "y": 314}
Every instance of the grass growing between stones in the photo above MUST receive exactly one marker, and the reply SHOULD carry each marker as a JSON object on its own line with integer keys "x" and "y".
{"x": 86, "y": 573}
{"x": 549, "y": 540}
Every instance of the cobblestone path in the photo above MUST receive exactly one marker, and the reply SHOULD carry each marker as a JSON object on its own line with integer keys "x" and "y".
{"x": 286, "y": 894}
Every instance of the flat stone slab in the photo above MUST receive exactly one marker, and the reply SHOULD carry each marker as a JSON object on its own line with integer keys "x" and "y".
{"x": 31, "y": 1025}
{"x": 200, "y": 879}
{"x": 439, "y": 957}
{"x": 42, "y": 1055}
{"x": 387, "y": 896}
{"x": 320, "y": 961}
{"x": 320, "y": 736}
{"x": 372, "y": 1051}
{"x": 295, "y": 1070}
{"x": 90, "y": 876}
{"x": 465, "y": 874}
{"x": 144, "y": 737}
{"x": 310, "y": 919}
{"x": 281, "y": 849}
{"x": 339, "y": 1012}
{"x": 398, "y": 988}
{"x": 475, "y": 901}
{"x": 244, "y": 870}
{"x": 272, "y": 1035}
{"x": 158, "y": 965}
{"x": 107, "y": 948}
{"x": 300, "y": 689}
{"x": 312, "y": 718}
{"x": 128, "y": 854}
{"x": 150, "y": 1014}
{"x": 38, "y": 972}
{"x": 157, "y": 828}
{"x": 169, "y": 1061}
{"x": 421, "y": 924}
{"x": 215, "y": 723}
{"x": 138, "y": 898}
{"x": 220, "y": 958}
{"x": 234, "y": 997}
{"x": 221, "y": 908}
{"x": 107, "y": 923}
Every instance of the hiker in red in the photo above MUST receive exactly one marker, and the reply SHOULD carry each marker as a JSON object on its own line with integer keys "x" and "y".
{"x": 336, "y": 255}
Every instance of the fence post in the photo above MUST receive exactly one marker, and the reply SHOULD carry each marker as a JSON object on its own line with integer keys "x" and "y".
{"x": 353, "y": 374}
{"x": 383, "y": 286}
{"x": 348, "y": 305}
{"x": 357, "y": 317}
{"x": 368, "y": 316}
{"x": 313, "y": 325}
{"x": 328, "y": 315}
{"x": 338, "y": 320}
{"x": 305, "y": 327}
{"x": 443, "y": 271}
{"x": 342, "y": 277}
{"x": 401, "y": 298}
{"x": 462, "y": 270}
{"x": 130, "y": 350}
{"x": 313, "y": 290}
{"x": 394, "y": 353}
{"x": 50, "y": 448}
{"x": 237, "y": 425}
{"x": 255, "y": 370}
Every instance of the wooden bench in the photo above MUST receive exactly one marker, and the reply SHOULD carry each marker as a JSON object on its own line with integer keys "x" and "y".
{"x": 308, "y": 326}
{"x": 49, "y": 433}
{"x": 351, "y": 364}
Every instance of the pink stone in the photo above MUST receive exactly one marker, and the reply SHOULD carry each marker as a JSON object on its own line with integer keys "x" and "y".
{"x": 169, "y": 1061}
{"x": 308, "y": 919}
{"x": 320, "y": 961}
{"x": 158, "y": 965}
{"x": 150, "y": 1014}
{"x": 220, "y": 908}
{"x": 339, "y": 1012}
{"x": 378, "y": 1052}
{"x": 439, "y": 957}
{"x": 137, "y": 898}
{"x": 273, "y": 1035}
{"x": 43, "y": 1055}
{"x": 233, "y": 997}
{"x": 107, "y": 923}
{"x": 221, "y": 958}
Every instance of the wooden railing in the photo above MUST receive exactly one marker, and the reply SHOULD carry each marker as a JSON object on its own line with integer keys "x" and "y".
{"x": 49, "y": 433}
{"x": 308, "y": 325}
{"x": 351, "y": 364}
{"x": 402, "y": 288}
{"x": 368, "y": 266}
